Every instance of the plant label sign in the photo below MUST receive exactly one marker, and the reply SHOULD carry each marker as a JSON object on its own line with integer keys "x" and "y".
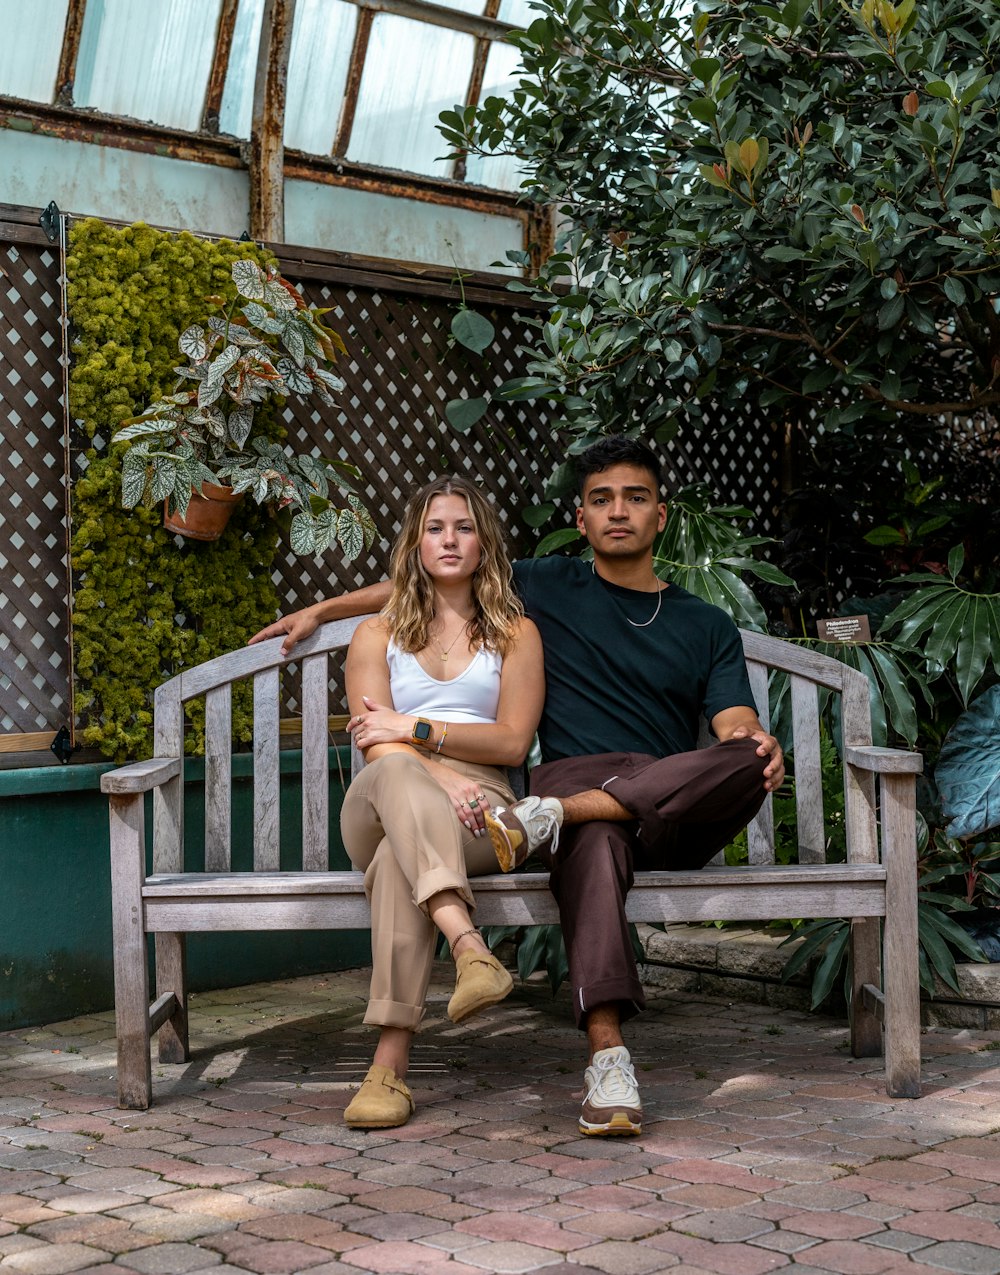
{"x": 844, "y": 628}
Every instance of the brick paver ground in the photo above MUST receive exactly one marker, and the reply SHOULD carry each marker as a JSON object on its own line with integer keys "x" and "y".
{"x": 766, "y": 1145}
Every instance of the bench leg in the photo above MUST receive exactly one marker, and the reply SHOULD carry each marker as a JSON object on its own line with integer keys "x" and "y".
{"x": 171, "y": 976}
{"x": 902, "y": 983}
{"x": 128, "y": 869}
{"x": 866, "y": 967}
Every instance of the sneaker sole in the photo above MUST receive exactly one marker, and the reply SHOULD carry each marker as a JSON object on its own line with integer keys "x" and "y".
{"x": 502, "y": 847}
{"x": 619, "y": 1126}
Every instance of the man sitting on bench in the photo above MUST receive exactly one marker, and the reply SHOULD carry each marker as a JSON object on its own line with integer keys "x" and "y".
{"x": 631, "y": 666}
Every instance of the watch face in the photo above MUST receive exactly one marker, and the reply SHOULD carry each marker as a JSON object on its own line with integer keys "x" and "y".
{"x": 422, "y": 731}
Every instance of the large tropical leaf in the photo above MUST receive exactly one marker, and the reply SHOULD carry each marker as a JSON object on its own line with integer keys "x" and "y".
{"x": 952, "y": 630}
{"x": 968, "y": 769}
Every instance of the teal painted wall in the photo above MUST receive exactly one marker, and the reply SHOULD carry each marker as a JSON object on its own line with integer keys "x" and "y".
{"x": 55, "y": 892}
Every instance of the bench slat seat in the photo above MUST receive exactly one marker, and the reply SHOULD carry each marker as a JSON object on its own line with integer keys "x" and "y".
{"x": 875, "y": 889}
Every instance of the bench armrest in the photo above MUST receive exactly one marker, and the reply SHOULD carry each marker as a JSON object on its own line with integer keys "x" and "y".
{"x": 884, "y": 761}
{"x": 141, "y": 776}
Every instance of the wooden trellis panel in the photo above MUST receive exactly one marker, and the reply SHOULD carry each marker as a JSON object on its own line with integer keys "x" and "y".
{"x": 34, "y": 626}
{"x": 401, "y": 370}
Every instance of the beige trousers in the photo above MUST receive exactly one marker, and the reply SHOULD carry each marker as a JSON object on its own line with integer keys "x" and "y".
{"x": 400, "y": 828}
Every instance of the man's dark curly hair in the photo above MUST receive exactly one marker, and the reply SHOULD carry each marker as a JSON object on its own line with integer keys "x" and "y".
{"x": 616, "y": 449}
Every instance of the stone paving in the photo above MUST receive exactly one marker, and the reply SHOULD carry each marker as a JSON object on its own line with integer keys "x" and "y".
{"x": 766, "y": 1145}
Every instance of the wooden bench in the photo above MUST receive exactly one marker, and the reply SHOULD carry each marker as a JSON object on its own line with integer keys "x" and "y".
{"x": 876, "y": 887}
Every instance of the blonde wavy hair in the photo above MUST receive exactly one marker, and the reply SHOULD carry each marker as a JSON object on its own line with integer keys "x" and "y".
{"x": 410, "y": 608}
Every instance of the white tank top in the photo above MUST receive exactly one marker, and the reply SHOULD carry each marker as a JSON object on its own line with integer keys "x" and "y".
{"x": 473, "y": 696}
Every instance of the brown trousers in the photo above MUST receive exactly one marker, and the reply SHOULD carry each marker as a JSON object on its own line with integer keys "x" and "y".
{"x": 686, "y": 807}
{"x": 400, "y": 828}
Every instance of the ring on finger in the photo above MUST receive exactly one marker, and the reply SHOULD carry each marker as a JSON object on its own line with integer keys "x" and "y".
{"x": 474, "y": 804}
{"x": 481, "y": 796}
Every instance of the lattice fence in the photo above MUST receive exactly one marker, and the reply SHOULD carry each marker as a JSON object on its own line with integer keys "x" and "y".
{"x": 401, "y": 371}
{"x": 34, "y": 625}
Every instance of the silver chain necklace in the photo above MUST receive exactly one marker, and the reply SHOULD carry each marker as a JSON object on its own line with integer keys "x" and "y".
{"x": 646, "y": 623}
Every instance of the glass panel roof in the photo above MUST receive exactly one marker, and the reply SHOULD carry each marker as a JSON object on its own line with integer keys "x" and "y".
{"x": 499, "y": 171}
{"x": 29, "y": 51}
{"x": 317, "y": 72}
{"x": 236, "y": 112}
{"x": 412, "y": 73}
{"x": 150, "y": 61}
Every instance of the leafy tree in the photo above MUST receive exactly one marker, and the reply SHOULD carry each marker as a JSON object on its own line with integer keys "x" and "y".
{"x": 798, "y": 201}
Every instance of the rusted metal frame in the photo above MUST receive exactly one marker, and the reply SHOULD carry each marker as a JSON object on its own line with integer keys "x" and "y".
{"x": 479, "y": 58}
{"x": 359, "y": 50}
{"x": 78, "y": 124}
{"x": 485, "y": 28}
{"x": 70, "y": 51}
{"x": 74, "y": 124}
{"x": 220, "y": 66}
{"x": 350, "y": 270}
{"x": 539, "y": 235}
{"x": 267, "y": 147}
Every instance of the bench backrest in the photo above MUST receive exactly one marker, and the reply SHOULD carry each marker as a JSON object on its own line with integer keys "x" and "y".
{"x": 264, "y": 662}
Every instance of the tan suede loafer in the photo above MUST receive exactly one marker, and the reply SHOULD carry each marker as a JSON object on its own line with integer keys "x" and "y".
{"x": 480, "y": 981}
{"x": 382, "y": 1102}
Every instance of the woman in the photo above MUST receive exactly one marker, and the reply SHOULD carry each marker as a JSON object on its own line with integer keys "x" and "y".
{"x": 444, "y": 687}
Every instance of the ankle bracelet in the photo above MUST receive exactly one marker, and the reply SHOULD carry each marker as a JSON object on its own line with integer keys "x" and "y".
{"x": 452, "y": 946}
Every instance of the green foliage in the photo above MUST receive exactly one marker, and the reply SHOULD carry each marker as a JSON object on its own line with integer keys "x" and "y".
{"x": 786, "y": 846}
{"x": 955, "y": 631}
{"x": 798, "y": 201}
{"x": 702, "y": 549}
{"x": 213, "y": 427}
{"x": 144, "y": 606}
{"x": 542, "y": 947}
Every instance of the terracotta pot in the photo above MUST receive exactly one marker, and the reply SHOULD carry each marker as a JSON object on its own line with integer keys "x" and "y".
{"x": 207, "y": 514}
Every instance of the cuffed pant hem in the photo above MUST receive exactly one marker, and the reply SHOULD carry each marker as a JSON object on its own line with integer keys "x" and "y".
{"x": 438, "y": 879}
{"x": 393, "y": 1014}
{"x": 625, "y": 993}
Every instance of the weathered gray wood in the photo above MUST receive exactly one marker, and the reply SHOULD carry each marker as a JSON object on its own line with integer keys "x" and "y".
{"x": 266, "y": 777}
{"x": 171, "y": 979}
{"x": 901, "y": 985}
{"x": 160, "y": 1010}
{"x": 760, "y": 833}
{"x": 790, "y": 658}
{"x": 172, "y": 903}
{"x": 128, "y": 868}
{"x": 218, "y": 778}
{"x": 168, "y": 798}
{"x": 140, "y": 776}
{"x": 315, "y": 763}
{"x": 809, "y": 828}
{"x": 874, "y": 999}
{"x": 866, "y": 971}
{"x": 885, "y": 761}
{"x": 859, "y": 786}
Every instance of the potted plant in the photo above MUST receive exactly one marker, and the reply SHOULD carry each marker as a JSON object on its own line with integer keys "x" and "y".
{"x": 208, "y": 443}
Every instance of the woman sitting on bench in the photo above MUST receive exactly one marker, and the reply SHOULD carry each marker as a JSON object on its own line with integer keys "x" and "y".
{"x": 445, "y": 688}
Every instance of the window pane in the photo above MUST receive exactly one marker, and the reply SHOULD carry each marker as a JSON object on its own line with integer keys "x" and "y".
{"x": 317, "y": 72}
{"x": 29, "y": 51}
{"x": 465, "y": 6}
{"x": 412, "y": 73}
{"x": 521, "y": 12}
{"x": 236, "y": 112}
{"x": 150, "y": 61}
{"x": 502, "y": 172}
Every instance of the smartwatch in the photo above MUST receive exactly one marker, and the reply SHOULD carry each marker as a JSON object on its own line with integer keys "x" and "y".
{"x": 422, "y": 731}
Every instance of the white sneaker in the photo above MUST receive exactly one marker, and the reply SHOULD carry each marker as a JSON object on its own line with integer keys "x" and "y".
{"x": 612, "y": 1105}
{"x": 528, "y": 825}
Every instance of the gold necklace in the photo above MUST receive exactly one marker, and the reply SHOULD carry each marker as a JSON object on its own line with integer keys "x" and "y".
{"x": 444, "y": 652}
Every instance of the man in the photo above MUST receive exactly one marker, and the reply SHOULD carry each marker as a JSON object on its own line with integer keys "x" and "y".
{"x": 631, "y": 666}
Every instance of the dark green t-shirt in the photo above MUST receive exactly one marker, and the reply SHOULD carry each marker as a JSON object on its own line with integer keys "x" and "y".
{"x": 612, "y": 687}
